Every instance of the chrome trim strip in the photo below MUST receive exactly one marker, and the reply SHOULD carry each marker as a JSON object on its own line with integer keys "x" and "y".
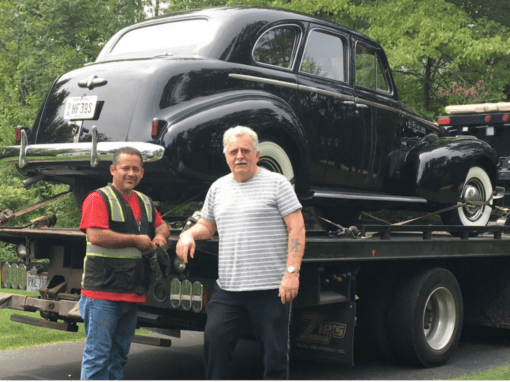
{"x": 326, "y": 92}
{"x": 364, "y": 103}
{"x": 353, "y": 196}
{"x": 74, "y": 152}
{"x": 264, "y": 80}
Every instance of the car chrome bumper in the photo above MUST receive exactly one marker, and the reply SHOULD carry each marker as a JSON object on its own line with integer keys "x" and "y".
{"x": 75, "y": 152}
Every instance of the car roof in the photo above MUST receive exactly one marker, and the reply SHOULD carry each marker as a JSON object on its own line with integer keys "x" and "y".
{"x": 235, "y": 20}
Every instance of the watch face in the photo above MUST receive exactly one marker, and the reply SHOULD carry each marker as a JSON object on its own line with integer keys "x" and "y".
{"x": 292, "y": 270}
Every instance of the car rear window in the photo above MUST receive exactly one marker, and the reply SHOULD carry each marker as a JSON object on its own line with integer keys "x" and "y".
{"x": 277, "y": 46}
{"x": 173, "y": 38}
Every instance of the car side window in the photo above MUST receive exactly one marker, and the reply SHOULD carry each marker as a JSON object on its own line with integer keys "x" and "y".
{"x": 369, "y": 72}
{"x": 277, "y": 46}
{"x": 324, "y": 56}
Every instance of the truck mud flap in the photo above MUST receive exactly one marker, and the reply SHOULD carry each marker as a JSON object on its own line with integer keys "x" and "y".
{"x": 324, "y": 333}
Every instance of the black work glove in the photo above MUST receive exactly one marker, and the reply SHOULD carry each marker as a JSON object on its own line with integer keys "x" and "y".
{"x": 165, "y": 264}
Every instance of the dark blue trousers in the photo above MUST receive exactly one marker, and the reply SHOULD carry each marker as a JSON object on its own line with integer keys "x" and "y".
{"x": 227, "y": 314}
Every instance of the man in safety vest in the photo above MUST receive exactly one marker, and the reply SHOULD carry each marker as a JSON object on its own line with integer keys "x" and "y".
{"x": 120, "y": 224}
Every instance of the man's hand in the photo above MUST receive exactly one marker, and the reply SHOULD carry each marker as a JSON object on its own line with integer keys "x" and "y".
{"x": 289, "y": 287}
{"x": 144, "y": 243}
{"x": 162, "y": 234}
{"x": 159, "y": 240}
{"x": 186, "y": 245}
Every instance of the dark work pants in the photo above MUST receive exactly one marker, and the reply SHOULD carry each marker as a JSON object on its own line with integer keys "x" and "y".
{"x": 227, "y": 314}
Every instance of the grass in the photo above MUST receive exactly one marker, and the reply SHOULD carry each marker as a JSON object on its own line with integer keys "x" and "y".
{"x": 14, "y": 335}
{"x": 499, "y": 374}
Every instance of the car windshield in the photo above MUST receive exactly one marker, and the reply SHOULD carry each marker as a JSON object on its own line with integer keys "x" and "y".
{"x": 183, "y": 37}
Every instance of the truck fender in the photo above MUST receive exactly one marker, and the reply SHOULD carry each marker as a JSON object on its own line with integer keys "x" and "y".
{"x": 438, "y": 166}
{"x": 194, "y": 143}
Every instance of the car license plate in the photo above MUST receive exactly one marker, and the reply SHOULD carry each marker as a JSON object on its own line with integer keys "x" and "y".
{"x": 35, "y": 282}
{"x": 80, "y": 107}
{"x": 490, "y": 131}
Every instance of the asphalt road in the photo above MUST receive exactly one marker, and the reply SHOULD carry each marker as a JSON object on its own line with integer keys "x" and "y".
{"x": 479, "y": 350}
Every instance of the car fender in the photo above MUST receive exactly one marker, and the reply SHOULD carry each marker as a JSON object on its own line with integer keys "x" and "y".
{"x": 438, "y": 166}
{"x": 194, "y": 141}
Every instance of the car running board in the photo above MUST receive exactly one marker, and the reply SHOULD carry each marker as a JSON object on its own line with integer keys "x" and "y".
{"x": 365, "y": 196}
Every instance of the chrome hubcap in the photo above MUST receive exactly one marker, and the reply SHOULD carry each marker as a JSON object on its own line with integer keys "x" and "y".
{"x": 473, "y": 191}
{"x": 439, "y": 318}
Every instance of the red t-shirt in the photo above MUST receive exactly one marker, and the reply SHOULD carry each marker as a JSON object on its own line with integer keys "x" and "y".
{"x": 95, "y": 215}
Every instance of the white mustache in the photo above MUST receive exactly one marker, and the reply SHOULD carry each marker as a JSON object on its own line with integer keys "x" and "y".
{"x": 241, "y": 162}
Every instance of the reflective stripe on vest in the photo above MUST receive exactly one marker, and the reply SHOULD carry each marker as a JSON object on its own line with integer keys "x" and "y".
{"x": 119, "y": 253}
{"x": 117, "y": 215}
{"x": 148, "y": 206}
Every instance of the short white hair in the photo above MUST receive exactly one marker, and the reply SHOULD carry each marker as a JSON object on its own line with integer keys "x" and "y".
{"x": 237, "y": 131}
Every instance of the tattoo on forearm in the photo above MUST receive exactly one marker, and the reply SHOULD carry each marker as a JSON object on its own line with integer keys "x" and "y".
{"x": 295, "y": 245}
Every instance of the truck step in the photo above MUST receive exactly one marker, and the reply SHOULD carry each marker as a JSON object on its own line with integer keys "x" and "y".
{"x": 154, "y": 341}
{"x": 67, "y": 327}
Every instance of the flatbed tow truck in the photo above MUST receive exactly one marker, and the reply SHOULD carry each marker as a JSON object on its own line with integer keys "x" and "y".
{"x": 401, "y": 292}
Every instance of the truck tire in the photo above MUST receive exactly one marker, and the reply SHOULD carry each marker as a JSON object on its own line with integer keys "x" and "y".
{"x": 274, "y": 158}
{"x": 426, "y": 318}
{"x": 478, "y": 187}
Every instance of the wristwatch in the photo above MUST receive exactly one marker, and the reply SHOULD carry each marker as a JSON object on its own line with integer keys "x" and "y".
{"x": 292, "y": 270}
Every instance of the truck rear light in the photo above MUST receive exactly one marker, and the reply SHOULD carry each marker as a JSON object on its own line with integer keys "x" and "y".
{"x": 444, "y": 121}
{"x": 175, "y": 293}
{"x": 488, "y": 118}
{"x": 186, "y": 295}
{"x": 506, "y": 118}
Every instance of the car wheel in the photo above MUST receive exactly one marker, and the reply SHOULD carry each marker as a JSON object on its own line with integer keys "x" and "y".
{"x": 478, "y": 187}
{"x": 274, "y": 158}
{"x": 426, "y": 317}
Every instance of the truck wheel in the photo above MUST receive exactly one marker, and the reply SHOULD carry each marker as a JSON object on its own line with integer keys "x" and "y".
{"x": 274, "y": 158}
{"x": 426, "y": 318}
{"x": 478, "y": 187}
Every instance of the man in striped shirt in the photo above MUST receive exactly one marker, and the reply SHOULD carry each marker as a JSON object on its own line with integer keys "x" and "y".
{"x": 262, "y": 238}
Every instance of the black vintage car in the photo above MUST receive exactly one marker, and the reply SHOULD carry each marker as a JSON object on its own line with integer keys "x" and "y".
{"x": 320, "y": 96}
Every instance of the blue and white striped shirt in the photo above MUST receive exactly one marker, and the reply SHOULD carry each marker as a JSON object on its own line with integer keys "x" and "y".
{"x": 253, "y": 246}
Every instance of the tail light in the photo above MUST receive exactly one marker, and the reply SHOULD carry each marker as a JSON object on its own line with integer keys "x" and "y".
{"x": 18, "y": 132}
{"x": 506, "y": 118}
{"x": 444, "y": 121}
{"x": 157, "y": 126}
{"x": 488, "y": 118}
